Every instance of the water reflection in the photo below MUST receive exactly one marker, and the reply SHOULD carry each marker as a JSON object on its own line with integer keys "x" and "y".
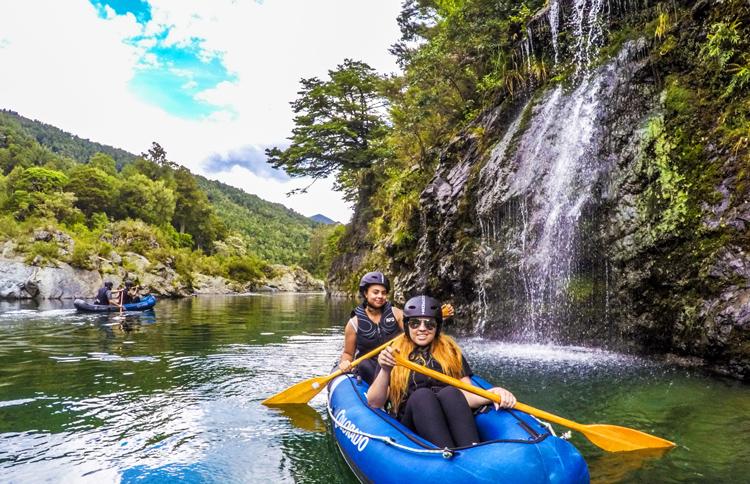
{"x": 178, "y": 396}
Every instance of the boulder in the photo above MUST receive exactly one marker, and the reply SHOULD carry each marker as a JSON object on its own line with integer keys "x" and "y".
{"x": 293, "y": 279}
{"x": 203, "y": 284}
{"x": 19, "y": 280}
{"x": 14, "y": 275}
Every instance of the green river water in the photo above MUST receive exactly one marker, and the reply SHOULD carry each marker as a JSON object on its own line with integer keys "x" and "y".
{"x": 178, "y": 396}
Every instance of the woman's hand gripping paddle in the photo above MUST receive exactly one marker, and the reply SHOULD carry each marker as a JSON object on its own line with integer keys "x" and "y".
{"x": 303, "y": 392}
{"x": 611, "y": 438}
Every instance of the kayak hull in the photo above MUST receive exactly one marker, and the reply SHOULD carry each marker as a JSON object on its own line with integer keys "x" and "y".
{"x": 146, "y": 303}
{"x": 515, "y": 446}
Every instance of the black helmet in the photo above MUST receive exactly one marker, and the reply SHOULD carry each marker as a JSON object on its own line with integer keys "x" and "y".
{"x": 373, "y": 278}
{"x": 108, "y": 284}
{"x": 423, "y": 307}
{"x": 128, "y": 283}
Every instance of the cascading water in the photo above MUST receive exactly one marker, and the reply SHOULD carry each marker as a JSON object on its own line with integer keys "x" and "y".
{"x": 554, "y": 22}
{"x": 586, "y": 25}
{"x": 537, "y": 188}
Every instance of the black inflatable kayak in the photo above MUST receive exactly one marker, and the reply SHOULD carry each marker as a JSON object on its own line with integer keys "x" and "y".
{"x": 147, "y": 302}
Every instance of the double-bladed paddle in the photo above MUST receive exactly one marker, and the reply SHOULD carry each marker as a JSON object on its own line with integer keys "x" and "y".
{"x": 302, "y": 392}
{"x": 611, "y": 438}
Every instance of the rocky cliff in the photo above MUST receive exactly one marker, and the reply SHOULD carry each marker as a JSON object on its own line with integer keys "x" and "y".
{"x": 609, "y": 203}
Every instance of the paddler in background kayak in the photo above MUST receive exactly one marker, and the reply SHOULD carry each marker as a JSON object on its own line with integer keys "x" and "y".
{"x": 130, "y": 293}
{"x": 104, "y": 295}
{"x": 373, "y": 323}
{"x": 439, "y": 413}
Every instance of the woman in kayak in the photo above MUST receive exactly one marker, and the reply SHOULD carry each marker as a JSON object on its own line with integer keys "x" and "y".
{"x": 373, "y": 322}
{"x": 439, "y": 413}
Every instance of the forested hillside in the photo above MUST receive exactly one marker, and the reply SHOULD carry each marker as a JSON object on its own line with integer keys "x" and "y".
{"x": 271, "y": 231}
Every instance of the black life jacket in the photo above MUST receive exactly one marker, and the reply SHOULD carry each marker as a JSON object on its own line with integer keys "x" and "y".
{"x": 370, "y": 335}
{"x": 102, "y": 296}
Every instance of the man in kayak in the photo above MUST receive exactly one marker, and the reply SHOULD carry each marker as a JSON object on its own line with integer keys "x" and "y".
{"x": 105, "y": 293}
{"x": 440, "y": 413}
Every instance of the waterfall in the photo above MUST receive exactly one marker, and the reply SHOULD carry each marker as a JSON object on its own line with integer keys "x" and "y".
{"x": 554, "y": 22}
{"x": 543, "y": 195}
{"x": 537, "y": 187}
{"x": 586, "y": 25}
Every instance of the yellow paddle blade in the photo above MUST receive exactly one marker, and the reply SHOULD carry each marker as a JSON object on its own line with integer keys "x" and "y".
{"x": 614, "y": 438}
{"x": 301, "y": 392}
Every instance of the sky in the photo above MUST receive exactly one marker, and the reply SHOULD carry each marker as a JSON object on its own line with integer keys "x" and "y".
{"x": 209, "y": 80}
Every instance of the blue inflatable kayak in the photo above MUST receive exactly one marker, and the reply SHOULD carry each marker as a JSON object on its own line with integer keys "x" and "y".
{"x": 146, "y": 302}
{"x": 515, "y": 446}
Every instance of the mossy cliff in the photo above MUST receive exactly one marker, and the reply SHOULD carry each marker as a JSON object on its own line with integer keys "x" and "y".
{"x": 648, "y": 246}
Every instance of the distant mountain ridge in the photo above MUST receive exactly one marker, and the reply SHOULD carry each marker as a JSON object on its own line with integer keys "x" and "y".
{"x": 278, "y": 234}
{"x": 322, "y": 219}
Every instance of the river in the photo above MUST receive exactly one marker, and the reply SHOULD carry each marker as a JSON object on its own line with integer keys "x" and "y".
{"x": 178, "y": 396}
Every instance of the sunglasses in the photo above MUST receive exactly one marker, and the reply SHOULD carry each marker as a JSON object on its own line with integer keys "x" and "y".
{"x": 430, "y": 324}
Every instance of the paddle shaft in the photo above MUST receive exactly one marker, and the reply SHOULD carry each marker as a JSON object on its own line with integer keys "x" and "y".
{"x": 484, "y": 393}
{"x": 362, "y": 358}
{"x": 303, "y": 391}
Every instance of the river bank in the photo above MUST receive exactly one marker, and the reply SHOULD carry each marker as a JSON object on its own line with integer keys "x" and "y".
{"x": 56, "y": 279}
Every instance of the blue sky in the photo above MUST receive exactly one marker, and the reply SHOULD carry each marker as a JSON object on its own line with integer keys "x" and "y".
{"x": 139, "y": 8}
{"x": 175, "y": 73}
{"x": 209, "y": 80}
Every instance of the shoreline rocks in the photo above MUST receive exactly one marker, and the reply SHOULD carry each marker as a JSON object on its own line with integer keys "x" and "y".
{"x": 22, "y": 281}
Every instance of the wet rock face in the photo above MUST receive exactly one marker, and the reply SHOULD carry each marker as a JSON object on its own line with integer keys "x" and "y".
{"x": 486, "y": 218}
{"x": 509, "y": 226}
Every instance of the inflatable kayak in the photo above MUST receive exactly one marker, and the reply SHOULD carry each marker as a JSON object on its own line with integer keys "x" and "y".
{"x": 515, "y": 446}
{"x": 146, "y": 302}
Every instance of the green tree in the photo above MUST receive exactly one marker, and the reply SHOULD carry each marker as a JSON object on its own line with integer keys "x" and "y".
{"x": 37, "y": 179}
{"x": 323, "y": 249}
{"x": 39, "y": 191}
{"x": 193, "y": 212}
{"x": 142, "y": 198}
{"x": 104, "y": 162}
{"x": 339, "y": 128}
{"x": 95, "y": 190}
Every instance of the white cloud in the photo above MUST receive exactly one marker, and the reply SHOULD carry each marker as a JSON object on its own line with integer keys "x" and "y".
{"x": 73, "y": 70}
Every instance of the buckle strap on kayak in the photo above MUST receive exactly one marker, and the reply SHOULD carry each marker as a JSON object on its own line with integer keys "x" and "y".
{"x": 445, "y": 453}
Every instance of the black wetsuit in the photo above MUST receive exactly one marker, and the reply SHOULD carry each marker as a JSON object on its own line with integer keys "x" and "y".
{"x": 436, "y": 411}
{"x": 103, "y": 295}
{"x": 370, "y": 335}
